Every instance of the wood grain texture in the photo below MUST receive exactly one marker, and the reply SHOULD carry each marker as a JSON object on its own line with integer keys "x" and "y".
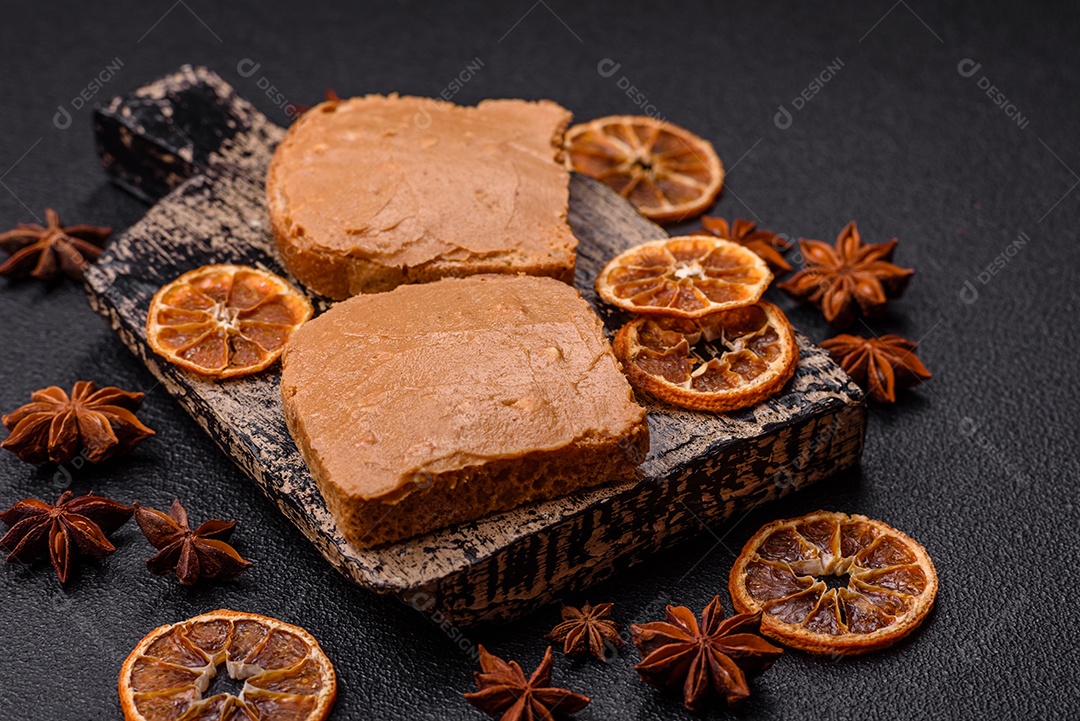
{"x": 701, "y": 468}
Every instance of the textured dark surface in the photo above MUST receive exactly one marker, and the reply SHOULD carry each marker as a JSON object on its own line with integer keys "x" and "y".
{"x": 978, "y": 464}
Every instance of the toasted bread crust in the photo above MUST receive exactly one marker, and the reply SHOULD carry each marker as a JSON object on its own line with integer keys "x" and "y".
{"x": 443, "y": 499}
{"x": 339, "y": 276}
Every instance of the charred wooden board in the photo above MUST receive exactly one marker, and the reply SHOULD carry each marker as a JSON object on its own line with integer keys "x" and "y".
{"x": 192, "y": 134}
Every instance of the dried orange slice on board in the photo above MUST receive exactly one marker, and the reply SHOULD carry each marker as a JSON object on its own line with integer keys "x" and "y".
{"x": 225, "y": 320}
{"x": 286, "y": 675}
{"x": 724, "y": 361}
{"x": 666, "y": 171}
{"x": 831, "y": 583}
{"x": 690, "y": 277}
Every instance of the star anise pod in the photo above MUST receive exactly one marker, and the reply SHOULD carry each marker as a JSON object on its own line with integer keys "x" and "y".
{"x": 73, "y": 525}
{"x": 714, "y": 657}
{"x": 507, "y": 695}
{"x": 839, "y": 279}
{"x": 586, "y": 629}
{"x": 56, "y": 427}
{"x": 879, "y": 365}
{"x": 765, "y": 243}
{"x": 44, "y": 251}
{"x": 193, "y": 554}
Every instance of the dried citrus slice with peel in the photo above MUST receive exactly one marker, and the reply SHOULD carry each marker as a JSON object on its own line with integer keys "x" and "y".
{"x": 831, "y": 583}
{"x": 689, "y": 277}
{"x": 286, "y": 675}
{"x": 666, "y": 171}
{"x": 724, "y": 361}
{"x": 225, "y": 320}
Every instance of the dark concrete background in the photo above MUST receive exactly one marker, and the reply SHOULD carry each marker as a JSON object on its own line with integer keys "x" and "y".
{"x": 901, "y": 135}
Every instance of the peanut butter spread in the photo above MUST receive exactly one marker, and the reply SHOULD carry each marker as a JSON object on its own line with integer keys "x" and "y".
{"x": 432, "y": 378}
{"x": 403, "y": 181}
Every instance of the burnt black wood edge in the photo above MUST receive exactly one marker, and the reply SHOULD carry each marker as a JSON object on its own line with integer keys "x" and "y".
{"x": 161, "y": 134}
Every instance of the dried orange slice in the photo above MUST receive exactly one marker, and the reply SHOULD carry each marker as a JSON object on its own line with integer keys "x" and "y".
{"x": 831, "y": 583}
{"x": 727, "y": 360}
{"x": 689, "y": 277}
{"x": 225, "y": 320}
{"x": 285, "y": 673}
{"x": 666, "y": 171}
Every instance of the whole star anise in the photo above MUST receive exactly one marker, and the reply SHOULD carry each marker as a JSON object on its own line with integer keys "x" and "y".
{"x": 840, "y": 279}
{"x": 586, "y": 629}
{"x": 507, "y": 695}
{"x": 879, "y": 365}
{"x": 766, "y": 244}
{"x": 56, "y": 427}
{"x": 193, "y": 554}
{"x": 73, "y": 525}
{"x": 714, "y": 657}
{"x": 44, "y": 251}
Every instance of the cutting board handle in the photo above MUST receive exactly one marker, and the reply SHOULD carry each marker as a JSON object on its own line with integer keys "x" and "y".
{"x": 163, "y": 133}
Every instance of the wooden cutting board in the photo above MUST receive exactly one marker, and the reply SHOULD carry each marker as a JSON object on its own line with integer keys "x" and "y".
{"x": 199, "y": 152}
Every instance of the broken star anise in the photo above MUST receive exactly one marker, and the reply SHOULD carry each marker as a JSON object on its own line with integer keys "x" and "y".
{"x": 714, "y": 657}
{"x": 848, "y": 276}
{"x": 299, "y": 109}
{"x": 507, "y": 695}
{"x": 880, "y": 365}
{"x": 73, "y": 525}
{"x": 56, "y": 427}
{"x": 585, "y": 630}
{"x": 193, "y": 554}
{"x": 44, "y": 251}
{"x": 768, "y": 245}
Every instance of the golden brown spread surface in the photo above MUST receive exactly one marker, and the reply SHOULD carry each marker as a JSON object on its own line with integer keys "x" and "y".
{"x": 402, "y": 181}
{"x": 445, "y": 375}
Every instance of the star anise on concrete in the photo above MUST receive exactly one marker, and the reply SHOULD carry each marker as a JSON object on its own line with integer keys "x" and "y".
{"x": 846, "y": 277}
{"x": 507, "y": 695}
{"x": 880, "y": 365}
{"x": 768, "y": 245}
{"x": 713, "y": 658}
{"x": 585, "y": 630}
{"x": 57, "y": 427}
{"x": 43, "y": 251}
{"x": 72, "y": 526}
{"x": 200, "y": 554}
